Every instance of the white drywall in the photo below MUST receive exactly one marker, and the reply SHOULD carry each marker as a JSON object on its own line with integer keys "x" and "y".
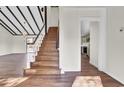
{"x": 94, "y": 33}
{"x": 70, "y": 40}
{"x": 48, "y": 17}
{"x": 84, "y": 27}
{"x": 5, "y": 41}
{"x": 115, "y": 43}
{"x": 52, "y": 16}
{"x": 70, "y": 36}
{"x": 10, "y": 44}
{"x": 19, "y": 44}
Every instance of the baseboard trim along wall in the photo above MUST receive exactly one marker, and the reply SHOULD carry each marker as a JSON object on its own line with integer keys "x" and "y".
{"x": 114, "y": 77}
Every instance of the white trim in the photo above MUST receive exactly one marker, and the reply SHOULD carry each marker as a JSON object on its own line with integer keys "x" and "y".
{"x": 113, "y": 76}
{"x": 93, "y": 64}
{"x": 102, "y": 42}
{"x": 62, "y": 72}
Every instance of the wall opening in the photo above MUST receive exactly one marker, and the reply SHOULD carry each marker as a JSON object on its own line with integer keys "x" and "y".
{"x": 90, "y": 28}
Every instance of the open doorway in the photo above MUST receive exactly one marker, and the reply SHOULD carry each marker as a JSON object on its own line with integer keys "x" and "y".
{"x": 90, "y": 28}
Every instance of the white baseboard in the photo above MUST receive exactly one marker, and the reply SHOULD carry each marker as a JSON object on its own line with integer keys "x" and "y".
{"x": 93, "y": 64}
{"x": 113, "y": 76}
{"x": 5, "y": 54}
{"x": 62, "y": 72}
{"x": 110, "y": 74}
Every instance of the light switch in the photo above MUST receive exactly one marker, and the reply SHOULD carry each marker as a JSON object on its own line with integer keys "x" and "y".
{"x": 121, "y": 29}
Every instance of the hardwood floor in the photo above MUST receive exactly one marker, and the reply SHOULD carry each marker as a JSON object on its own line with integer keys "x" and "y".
{"x": 66, "y": 80}
{"x": 12, "y": 65}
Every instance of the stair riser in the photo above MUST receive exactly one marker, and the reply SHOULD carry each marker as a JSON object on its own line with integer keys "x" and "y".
{"x": 45, "y": 67}
{"x": 47, "y": 58}
{"x": 54, "y": 64}
{"x": 51, "y": 39}
{"x": 48, "y": 46}
{"x": 40, "y": 72}
{"x": 49, "y": 42}
{"x": 47, "y": 50}
{"x": 48, "y": 54}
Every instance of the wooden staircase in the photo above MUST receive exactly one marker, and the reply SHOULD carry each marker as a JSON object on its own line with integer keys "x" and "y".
{"x": 47, "y": 59}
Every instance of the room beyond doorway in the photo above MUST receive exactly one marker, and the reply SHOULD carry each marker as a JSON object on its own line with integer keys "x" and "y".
{"x": 90, "y": 29}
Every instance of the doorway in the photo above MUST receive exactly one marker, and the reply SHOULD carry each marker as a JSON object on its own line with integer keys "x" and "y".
{"x": 90, "y": 29}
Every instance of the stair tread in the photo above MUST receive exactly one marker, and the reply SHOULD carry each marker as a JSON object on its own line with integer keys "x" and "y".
{"x": 45, "y": 61}
{"x": 41, "y": 71}
{"x": 48, "y": 50}
{"x": 55, "y": 64}
{"x": 47, "y": 56}
{"x": 45, "y": 67}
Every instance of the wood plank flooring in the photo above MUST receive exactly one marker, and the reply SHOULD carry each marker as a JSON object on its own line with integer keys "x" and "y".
{"x": 66, "y": 80}
{"x": 12, "y": 65}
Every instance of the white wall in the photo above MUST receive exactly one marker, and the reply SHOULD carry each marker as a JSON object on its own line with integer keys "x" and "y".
{"x": 94, "y": 37}
{"x": 70, "y": 36}
{"x": 84, "y": 27}
{"x": 5, "y": 41}
{"x": 112, "y": 45}
{"x": 115, "y": 43}
{"x": 52, "y": 16}
{"x": 10, "y": 44}
{"x": 48, "y": 17}
{"x": 19, "y": 44}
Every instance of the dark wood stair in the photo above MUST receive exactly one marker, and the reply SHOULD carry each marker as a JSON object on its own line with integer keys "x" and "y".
{"x": 44, "y": 63}
{"x": 47, "y": 58}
